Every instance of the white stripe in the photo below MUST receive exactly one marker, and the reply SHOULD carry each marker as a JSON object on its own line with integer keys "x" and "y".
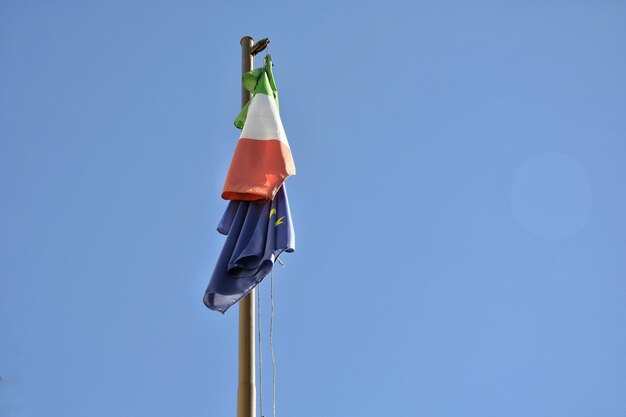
{"x": 263, "y": 120}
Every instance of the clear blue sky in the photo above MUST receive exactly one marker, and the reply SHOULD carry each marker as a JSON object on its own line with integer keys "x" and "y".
{"x": 459, "y": 207}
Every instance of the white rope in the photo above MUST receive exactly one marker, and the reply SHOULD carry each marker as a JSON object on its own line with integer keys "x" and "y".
{"x": 272, "y": 343}
{"x": 258, "y": 310}
{"x": 258, "y": 303}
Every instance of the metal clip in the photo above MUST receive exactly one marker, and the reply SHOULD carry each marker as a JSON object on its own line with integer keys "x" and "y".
{"x": 259, "y": 46}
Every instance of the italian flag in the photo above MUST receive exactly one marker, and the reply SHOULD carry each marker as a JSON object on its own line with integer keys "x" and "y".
{"x": 262, "y": 159}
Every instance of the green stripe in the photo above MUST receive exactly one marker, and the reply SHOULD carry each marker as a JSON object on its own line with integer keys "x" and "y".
{"x": 258, "y": 81}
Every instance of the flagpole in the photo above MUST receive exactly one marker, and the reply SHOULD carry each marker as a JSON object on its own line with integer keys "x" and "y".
{"x": 246, "y": 391}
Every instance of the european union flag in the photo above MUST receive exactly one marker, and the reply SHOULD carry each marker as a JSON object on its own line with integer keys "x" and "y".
{"x": 257, "y": 233}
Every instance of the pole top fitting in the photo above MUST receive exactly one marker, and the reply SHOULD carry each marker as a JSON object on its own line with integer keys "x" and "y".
{"x": 259, "y": 46}
{"x": 245, "y": 39}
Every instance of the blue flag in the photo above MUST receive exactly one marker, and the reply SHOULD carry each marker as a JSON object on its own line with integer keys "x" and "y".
{"x": 257, "y": 233}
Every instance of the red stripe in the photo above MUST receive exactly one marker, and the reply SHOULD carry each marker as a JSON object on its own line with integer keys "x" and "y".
{"x": 257, "y": 170}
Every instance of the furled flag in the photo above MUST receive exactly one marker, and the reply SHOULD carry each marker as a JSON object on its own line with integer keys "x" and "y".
{"x": 257, "y": 233}
{"x": 258, "y": 222}
{"x": 262, "y": 159}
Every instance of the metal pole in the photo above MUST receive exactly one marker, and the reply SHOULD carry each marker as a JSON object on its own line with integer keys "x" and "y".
{"x": 246, "y": 391}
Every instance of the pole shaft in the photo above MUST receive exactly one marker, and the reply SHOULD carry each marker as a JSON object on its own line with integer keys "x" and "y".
{"x": 246, "y": 391}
